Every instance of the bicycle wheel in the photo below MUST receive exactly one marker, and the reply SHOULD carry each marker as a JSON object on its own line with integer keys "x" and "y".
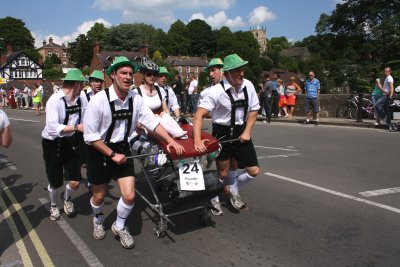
{"x": 352, "y": 111}
{"x": 342, "y": 111}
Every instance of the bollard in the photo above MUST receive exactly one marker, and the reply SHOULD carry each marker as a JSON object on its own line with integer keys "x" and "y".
{"x": 360, "y": 107}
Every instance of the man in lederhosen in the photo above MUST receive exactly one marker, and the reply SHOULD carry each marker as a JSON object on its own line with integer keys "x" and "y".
{"x": 170, "y": 97}
{"x": 110, "y": 122}
{"x": 233, "y": 105}
{"x": 60, "y": 143}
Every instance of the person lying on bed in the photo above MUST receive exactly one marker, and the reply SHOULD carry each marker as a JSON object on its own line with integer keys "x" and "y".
{"x": 155, "y": 98}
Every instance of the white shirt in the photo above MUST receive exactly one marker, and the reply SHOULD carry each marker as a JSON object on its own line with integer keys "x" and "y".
{"x": 4, "y": 122}
{"x": 26, "y": 91}
{"x": 172, "y": 99}
{"x": 55, "y": 116}
{"x": 386, "y": 84}
{"x": 192, "y": 85}
{"x": 217, "y": 102}
{"x": 98, "y": 117}
{"x": 152, "y": 101}
{"x": 84, "y": 100}
{"x": 41, "y": 90}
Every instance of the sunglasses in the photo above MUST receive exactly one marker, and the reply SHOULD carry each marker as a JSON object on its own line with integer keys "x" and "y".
{"x": 151, "y": 74}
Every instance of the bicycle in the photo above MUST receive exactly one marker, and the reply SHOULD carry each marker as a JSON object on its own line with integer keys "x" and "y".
{"x": 349, "y": 109}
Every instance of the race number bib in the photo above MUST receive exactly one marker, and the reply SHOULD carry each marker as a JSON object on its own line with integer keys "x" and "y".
{"x": 191, "y": 176}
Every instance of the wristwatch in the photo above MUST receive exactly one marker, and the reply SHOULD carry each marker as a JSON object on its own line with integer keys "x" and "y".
{"x": 112, "y": 154}
{"x": 75, "y": 128}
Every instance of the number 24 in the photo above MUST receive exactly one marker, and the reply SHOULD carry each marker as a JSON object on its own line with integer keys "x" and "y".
{"x": 187, "y": 166}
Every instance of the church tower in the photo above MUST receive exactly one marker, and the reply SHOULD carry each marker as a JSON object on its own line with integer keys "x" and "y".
{"x": 261, "y": 37}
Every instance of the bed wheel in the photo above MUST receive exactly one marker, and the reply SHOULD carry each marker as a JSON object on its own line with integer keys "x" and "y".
{"x": 160, "y": 230}
{"x": 393, "y": 127}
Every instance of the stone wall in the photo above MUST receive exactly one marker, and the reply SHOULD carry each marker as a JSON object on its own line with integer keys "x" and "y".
{"x": 328, "y": 104}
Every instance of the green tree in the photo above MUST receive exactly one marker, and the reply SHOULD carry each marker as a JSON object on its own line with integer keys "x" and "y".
{"x": 53, "y": 74}
{"x": 200, "y": 36}
{"x": 178, "y": 39}
{"x": 97, "y": 32}
{"x": 81, "y": 51}
{"x": 14, "y": 32}
{"x": 50, "y": 61}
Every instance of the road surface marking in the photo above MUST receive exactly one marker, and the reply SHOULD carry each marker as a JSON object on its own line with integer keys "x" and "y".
{"x": 26, "y": 260}
{"x": 380, "y": 192}
{"x": 15, "y": 119}
{"x": 83, "y": 249}
{"x": 8, "y": 164}
{"x": 37, "y": 243}
{"x": 336, "y": 193}
{"x": 276, "y": 148}
{"x": 279, "y": 156}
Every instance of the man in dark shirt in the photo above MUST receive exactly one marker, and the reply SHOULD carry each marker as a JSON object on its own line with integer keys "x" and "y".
{"x": 267, "y": 89}
{"x": 177, "y": 86}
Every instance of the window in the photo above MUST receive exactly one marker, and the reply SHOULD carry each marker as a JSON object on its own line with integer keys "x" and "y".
{"x": 64, "y": 54}
{"x": 57, "y": 54}
{"x": 64, "y": 63}
{"x": 49, "y": 54}
{"x": 187, "y": 69}
{"x": 197, "y": 69}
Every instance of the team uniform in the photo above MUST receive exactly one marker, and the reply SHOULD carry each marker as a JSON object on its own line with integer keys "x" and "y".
{"x": 229, "y": 112}
{"x": 114, "y": 121}
{"x": 170, "y": 98}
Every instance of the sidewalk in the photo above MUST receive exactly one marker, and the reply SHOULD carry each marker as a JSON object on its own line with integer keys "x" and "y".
{"x": 366, "y": 123}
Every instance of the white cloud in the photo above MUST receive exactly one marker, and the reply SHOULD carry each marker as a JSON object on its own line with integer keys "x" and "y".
{"x": 340, "y": 1}
{"x": 81, "y": 29}
{"x": 261, "y": 14}
{"x": 219, "y": 19}
{"x": 153, "y": 11}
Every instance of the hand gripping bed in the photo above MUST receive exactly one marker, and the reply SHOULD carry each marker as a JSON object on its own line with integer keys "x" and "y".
{"x": 165, "y": 182}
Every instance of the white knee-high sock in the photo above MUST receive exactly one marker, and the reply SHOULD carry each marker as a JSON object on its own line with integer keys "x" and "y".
{"x": 172, "y": 127}
{"x": 243, "y": 178}
{"x": 123, "y": 211}
{"x": 53, "y": 193}
{"x": 97, "y": 210}
{"x": 68, "y": 192}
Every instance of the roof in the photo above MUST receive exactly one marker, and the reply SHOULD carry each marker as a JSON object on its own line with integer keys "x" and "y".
{"x": 53, "y": 45}
{"x": 14, "y": 55}
{"x": 188, "y": 62}
{"x": 300, "y": 52}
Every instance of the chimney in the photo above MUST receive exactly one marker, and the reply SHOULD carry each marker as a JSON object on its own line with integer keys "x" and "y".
{"x": 51, "y": 40}
{"x": 8, "y": 50}
{"x": 96, "y": 48}
{"x": 44, "y": 43}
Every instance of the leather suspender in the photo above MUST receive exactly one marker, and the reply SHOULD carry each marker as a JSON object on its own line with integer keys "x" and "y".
{"x": 87, "y": 95}
{"x": 122, "y": 114}
{"x": 72, "y": 110}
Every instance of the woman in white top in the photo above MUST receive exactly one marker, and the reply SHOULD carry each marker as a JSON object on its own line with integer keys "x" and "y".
{"x": 154, "y": 98}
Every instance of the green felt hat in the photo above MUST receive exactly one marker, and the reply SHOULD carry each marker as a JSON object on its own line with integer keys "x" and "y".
{"x": 233, "y": 62}
{"x": 74, "y": 75}
{"x": 121, "y": 61}
{"x": 215, "y": 62}
{"x": 96, "y": 74}
{"x": 163, "y": 70}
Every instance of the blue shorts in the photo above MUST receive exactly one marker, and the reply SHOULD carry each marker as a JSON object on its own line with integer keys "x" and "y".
{"x": 312, "y": 103}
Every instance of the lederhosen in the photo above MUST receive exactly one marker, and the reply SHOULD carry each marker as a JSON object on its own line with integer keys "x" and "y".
{"x": 160, "y": 109}
{"x": 102, "y": 169}
{"x": 244, "y": 153}
{"x": 63, "y": 153}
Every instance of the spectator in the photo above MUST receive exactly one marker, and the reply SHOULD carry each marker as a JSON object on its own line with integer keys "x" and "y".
{"x": 36, "y": 98}
{"x": 282, "y": 99}
{"x": 11, "y": 98}
{"x": 192, "y": 92}
{"x": 40, "y": 87}
{"x": 18, "y": 97}
{"x": 177, "y": 86}
{"x": 312, "y": 89}
{"x": 275, "y": 96}
{"x": 387, "y": 90}
{"x": 291, "y": 94}
{"x": 5, "y": 131}
{"x": 377, "y": 93}
{"x": 25, "y": 96}
{"x": 267, "y": 89}
{"x": 4, "y": 97}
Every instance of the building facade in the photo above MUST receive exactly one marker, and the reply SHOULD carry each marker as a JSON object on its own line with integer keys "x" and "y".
{"x": 51, "y": 48}
{"x": 19, "y": 66}
{"x": 186, "y": 65}
{"x": 261, "y": 36}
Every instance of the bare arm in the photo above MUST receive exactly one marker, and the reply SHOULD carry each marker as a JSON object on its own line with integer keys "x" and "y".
{"x": 197, "y": 126}
{"x": 159, "y": 130}
{"x": 104, "y": 149}
{"x": 5, "y": 137}
{"x": 164, "y": 107}
{"x": 246, "y": 135}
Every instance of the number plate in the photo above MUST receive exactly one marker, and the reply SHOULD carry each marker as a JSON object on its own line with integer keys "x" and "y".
{"x": 191, "y": 176}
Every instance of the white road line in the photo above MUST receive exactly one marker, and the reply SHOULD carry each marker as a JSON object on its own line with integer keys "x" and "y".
{"x": 8, "y": 164}
{"x": 336, "y": 193}
{"x": 279, "y": 156}
{"x": 379, "y": 192}
{"x": 276, "y": 148}
{"x": 83, "y": 249}
{"x": 15, "y": 119}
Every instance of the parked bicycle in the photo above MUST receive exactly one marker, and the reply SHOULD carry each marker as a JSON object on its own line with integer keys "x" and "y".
{"x": 349, "y": 109}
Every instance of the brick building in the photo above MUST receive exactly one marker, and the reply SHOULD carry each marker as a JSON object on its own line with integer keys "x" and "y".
{"x": 185, "y": 65}
{"x": 51, "y": 48}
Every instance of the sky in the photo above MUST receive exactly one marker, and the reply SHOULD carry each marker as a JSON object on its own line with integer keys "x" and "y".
{"x": 64, "y": 20}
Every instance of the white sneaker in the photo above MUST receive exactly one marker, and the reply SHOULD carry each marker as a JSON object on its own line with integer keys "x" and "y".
{"x": 236, "y": 201}
{"x": 98, "y": 230}
{"x": 54, "y": 213}
{"x": 68, "y": 207}
{"x": 216, "y": 208}
{"x": 124, "y": 236}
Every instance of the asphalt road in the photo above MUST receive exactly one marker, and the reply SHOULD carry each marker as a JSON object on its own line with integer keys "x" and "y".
{"x": 311, "y": 205}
